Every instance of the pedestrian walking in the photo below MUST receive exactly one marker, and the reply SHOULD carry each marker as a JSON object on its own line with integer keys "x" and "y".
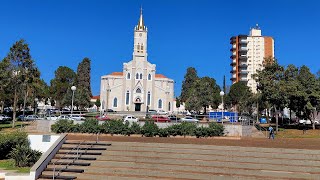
{"x": 271, "y": 132}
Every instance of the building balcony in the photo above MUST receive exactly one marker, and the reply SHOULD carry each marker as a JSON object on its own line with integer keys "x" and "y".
{"x": 233, "y": 63}
{"x": 233, "y": 40}
{"x": 233, "y": 56}
{"x": 243, "y": 72}
{"x": 233, "y": 71}
{"x": 243, "y": 79}
{"x": 243, "y": 65}
{"x": 243, "y": 58}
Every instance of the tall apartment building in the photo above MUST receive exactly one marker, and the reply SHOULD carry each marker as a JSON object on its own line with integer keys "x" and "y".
{"x": 248, "y": 53}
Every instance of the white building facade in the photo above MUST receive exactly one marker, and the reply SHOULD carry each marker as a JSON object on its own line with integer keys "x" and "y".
{"x": 137, "y": 86}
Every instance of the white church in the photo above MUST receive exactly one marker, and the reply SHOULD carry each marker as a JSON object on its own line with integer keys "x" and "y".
{"x": 137, "y": 86}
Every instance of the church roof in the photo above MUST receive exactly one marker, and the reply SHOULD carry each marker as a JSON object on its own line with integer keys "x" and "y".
{"x": 116, "y": 74}
{"x": 95, "y": 97}
{"x": 140, "y": 25}
{"x": 160, "y": 76}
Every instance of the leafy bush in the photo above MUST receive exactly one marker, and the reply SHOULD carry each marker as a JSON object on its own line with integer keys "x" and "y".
{"x": 174, "y": 130}
{"x": 163, "y": 132}
{"x": 135, "y": 128}
{"x": 24, "y": 156}
{"x": 62, "y": 126}
{"x": 90, "y": 126}
{"x": 218, "y": 129}
{"x": 149, "y": 129}
{"x": 187, "y": 129}
{"x": 9, "y": 141}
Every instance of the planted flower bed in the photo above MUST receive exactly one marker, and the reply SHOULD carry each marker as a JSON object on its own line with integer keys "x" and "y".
{"x": 149, "y": 129}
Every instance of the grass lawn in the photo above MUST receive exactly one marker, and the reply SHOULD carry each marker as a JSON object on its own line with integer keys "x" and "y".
{"x": 8, "y": 164}
{"x": 7, "y": 126}
{"x": 295, "y": 133}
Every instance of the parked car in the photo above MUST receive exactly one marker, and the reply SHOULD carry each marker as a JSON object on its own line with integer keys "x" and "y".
{"x": 77, "y": 117}
{"x": 31, "y": 117}
{"x": 21, "y": 118}
{"x": 64, "y": 117}
{"x": 304, "y": 121}
{"x": 162, "y": 112}
{"x": 4, "y": 117}
{"x": 51, "y": 117}
{"x": 111, "y": 110}
{"x": 189, "y": 119}
{"x": 130, "y": 119}
{"x": 159, "y": 118}
{"x": 173, "y": 117}
{"x": 152, "y": 111}
{"x": 103, "y": 118}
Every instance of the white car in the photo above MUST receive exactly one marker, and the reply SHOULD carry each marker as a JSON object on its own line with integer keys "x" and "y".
{"x": 77, "y": 117}
{"x": 189, "y": 119}
{"x": 162, "y": 112}
{"x": 51, "y": 117}
{"x": 130, "y": 119}
{"x": 64, "y": 117}
{"x": 31, "y": 117}
{"x": 304, "y": 121}
{"x": 4, "y": 117}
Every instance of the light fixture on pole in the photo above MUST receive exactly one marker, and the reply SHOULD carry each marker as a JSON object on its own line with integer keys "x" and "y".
{"x": 35, "y": 105}
{"x": 222, "y": 94}
{"x": 73, "y": 88}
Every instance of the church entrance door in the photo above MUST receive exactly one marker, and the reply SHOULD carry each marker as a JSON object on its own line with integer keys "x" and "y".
{"x": 137, "y": 107}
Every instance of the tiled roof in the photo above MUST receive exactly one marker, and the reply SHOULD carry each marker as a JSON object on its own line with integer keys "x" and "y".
{"x": 95, "y": 97}
{"x": 117, "y": 74}
{"x": 160, "y": 76}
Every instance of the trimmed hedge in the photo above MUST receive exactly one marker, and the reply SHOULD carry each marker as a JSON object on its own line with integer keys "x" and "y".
{"x": 149, "y": 129}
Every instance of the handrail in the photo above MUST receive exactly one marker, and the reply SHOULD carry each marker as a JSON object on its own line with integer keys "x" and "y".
{"x": 54, "y": 163}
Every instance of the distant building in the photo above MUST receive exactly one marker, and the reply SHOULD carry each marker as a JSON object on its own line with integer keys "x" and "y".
{"x": 137, "y": 86}
{"x": 247, "y": 56}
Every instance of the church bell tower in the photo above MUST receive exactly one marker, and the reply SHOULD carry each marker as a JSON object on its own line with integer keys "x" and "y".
{"x": 140, "y": 39}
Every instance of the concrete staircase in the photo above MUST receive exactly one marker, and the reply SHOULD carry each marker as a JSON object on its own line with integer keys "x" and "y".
{"x": 72, "y": 159}
{"x": 138, "y": 160}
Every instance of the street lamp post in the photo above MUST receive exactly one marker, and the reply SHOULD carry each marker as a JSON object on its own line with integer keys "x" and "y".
{"x": 73, "y": 88}
{"x": 222, "y": 94}
{"x": 35, "y": 105}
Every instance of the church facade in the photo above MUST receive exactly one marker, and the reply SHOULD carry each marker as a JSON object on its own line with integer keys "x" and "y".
{"x": 137, "y": 87}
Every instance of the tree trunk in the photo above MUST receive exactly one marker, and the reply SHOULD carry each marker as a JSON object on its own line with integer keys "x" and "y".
{"x": 277, "y": 118}
{"x": 14, "y": 107}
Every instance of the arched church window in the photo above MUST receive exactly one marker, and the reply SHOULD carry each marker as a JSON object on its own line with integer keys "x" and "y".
{"x": 128, "y": 76}
{"x": 149, "y": 99}
{"x": 138, "y": 90}
{"x": 137, "y": 76}
{"x": 127, "y": 97}
{"x": 169, "y": 106}
{"x": 149, "y": 77}
{"x": 141, "y": 76}
{"x": 115, "y": 102}
{"x": 141, "y": 46}
{"x": 138, "y": 47}
{"x": 160, "y": 104}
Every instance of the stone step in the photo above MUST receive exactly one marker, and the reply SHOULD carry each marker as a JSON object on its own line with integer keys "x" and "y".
{"x": 64, "y": 169}
{"x": 196, "y": 172}
{"x": 69, "y": 163}
{"x": 80, "y": 152}
{"x": 239, "y": 149}
{"x": 233, "y": 158}
{"x": 83, "y": 148}
{"x": 87, "y": 143}
{"x": 48, "y": 176}
{"x": 200, "y": 163}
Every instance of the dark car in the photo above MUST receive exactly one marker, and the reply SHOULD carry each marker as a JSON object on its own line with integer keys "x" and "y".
{"x": 160, "y": 119}
{"x": 21, "y": 118}
{"x": 111, "y": 110}
{"x": 173, "y": 117}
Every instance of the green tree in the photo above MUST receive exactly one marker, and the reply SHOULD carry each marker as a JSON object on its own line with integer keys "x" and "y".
{"x": 61, "y": 84}
{"x": 83, "y": 79}
{"x": 240, "y": 96}
{"x": 20, "y": 71}
{"x": 189, "y": 79}
{"x": 98, "y": 103}
{"x": 272, "y": 87}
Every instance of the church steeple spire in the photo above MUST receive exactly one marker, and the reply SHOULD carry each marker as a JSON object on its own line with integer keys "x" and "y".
{"x": 140, "y": 25}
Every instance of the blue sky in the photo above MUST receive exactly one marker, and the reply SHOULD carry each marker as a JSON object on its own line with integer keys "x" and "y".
{"x": 180, "y": 33}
